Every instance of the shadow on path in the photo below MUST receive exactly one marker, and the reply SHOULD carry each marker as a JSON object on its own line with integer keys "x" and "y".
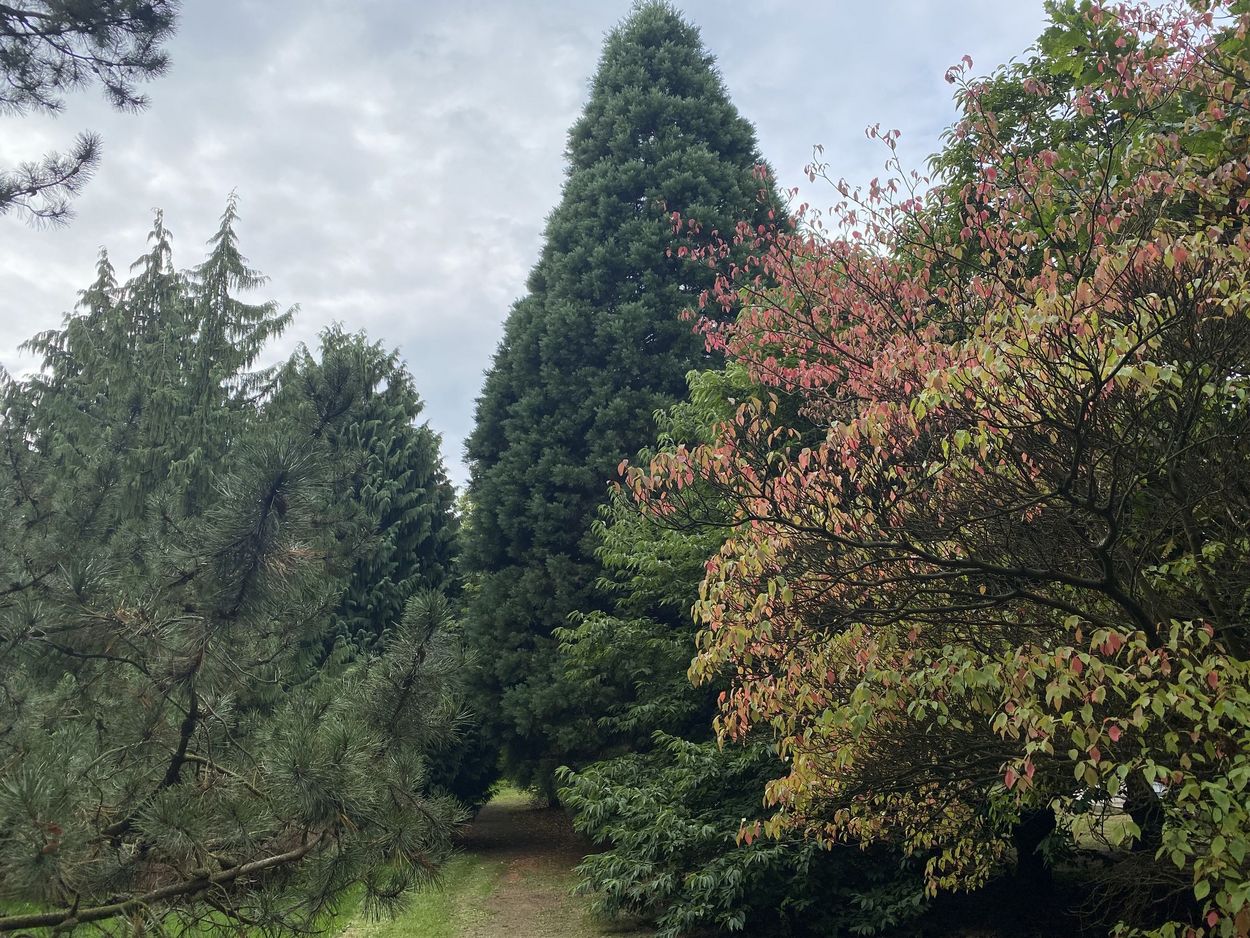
{"x": 535, "y": 849}
{"x": 512, "y": 827}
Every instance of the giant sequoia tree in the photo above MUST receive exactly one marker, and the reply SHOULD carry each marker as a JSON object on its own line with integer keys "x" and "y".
{"x": 588, "y": 356}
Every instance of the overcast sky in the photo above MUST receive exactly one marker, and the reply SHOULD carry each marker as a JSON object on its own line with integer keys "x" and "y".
{"x": 396, "y": 159}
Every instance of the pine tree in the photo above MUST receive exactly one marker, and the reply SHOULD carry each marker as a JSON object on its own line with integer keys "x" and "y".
{"x": 177, "y": 747}
{"x": 51, "y": 47}
{"x": 593, "y": 350}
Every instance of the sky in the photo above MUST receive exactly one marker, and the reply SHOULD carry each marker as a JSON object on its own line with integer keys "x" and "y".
{"x": 396, "y": 160}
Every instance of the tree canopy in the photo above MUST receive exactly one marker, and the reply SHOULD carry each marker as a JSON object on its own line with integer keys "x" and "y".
{"x": 997, "y": 566}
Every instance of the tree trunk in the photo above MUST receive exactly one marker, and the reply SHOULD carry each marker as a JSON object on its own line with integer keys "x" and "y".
{"x": 1027, "y": 836}
{"x": 1142, "y": 804}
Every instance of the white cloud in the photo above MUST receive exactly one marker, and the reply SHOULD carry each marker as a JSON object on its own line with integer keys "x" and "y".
{"x": 396, "y": 160}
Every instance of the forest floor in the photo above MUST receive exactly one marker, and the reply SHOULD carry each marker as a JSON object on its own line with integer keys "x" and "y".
{"x": 513, "y": 879}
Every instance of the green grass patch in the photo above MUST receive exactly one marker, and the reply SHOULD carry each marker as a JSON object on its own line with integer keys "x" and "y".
{"x": 510, "y": 796}
{"x": 1106, "y": 829}
{"x": 437, "y": 911}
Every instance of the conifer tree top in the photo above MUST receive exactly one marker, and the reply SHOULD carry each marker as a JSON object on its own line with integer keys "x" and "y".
{"x": 655, "y": 84}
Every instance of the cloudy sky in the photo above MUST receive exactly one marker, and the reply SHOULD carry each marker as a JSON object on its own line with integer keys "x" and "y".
{"x": 395, "y": 159}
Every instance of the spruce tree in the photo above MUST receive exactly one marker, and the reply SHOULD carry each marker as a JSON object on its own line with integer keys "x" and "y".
{"x": 593, "y": 350}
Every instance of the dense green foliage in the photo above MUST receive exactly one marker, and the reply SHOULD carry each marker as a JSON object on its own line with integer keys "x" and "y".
{"x": 180, "y": 738}
{"x": 588, "y": 355}
{"x": 667, "y": 811}
{"x": 392, "y": 473}
{"x": 668, "y": 822}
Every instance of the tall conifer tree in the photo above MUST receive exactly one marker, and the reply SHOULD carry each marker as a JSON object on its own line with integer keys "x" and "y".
{"x": 589, "y": 355}
{"x": 364, "y": 402}
{"x": 178, "y": 751}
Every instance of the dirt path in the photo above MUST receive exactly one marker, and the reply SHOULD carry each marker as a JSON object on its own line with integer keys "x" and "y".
{"x": 533, "y": 851}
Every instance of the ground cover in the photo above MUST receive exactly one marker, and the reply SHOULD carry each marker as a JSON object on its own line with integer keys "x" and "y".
{"x": 513, "y": 878}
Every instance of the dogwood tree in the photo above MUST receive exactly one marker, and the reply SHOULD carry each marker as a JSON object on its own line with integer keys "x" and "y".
{"x": 992, "y": 533}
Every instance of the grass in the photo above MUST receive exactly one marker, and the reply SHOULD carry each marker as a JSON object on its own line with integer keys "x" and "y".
{"x": 440, "y": 911}
{"x": 466, "y": 882}
{"x": 514, "y": 880}
{"x": 514, "y": 884}
{"x": 1101, "y": 830}
{"x": 512, "y": 797}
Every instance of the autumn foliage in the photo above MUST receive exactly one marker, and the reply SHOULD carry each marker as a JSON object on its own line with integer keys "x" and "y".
{"x": 992, "y": 525}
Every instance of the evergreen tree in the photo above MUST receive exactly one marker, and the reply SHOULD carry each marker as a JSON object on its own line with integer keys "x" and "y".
{"x": 667, "y": 803}
{"x": 593, "y": 350}
{"x": 391, "y": 471}
{"x": 176, "y": 746}
{"x": 190, "y": 337}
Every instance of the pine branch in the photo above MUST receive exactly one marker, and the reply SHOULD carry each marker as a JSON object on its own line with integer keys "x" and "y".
{"x": 199, "y": 881}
